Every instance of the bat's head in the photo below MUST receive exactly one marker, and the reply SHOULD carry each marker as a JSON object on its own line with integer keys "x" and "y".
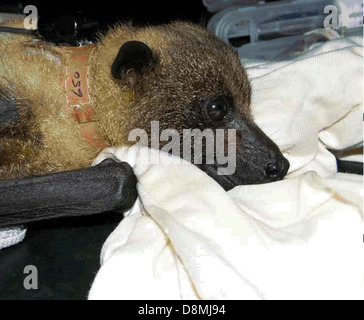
{"x": 185, "y": 78}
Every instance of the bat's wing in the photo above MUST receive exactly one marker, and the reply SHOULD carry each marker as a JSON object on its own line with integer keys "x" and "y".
{"x": 107, "y": 187}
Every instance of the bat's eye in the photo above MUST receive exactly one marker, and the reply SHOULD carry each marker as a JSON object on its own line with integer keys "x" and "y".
{"x": 217, "y": 109}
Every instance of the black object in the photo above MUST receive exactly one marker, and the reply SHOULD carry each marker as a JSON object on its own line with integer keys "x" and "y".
{"x": 106, "y": 187}
{"x": 17, "y": 30}
{"x": 64, "y": 30}
{"x": 66, "y": 253}
{"x": 344, "y": 166}
{"x": 74, "y": 23}
{"x": 349, "y": 166}
{"x": 68, "y": 29}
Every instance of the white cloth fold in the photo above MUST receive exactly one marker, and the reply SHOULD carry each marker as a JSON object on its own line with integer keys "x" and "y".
{"x": 300, "y": 238}
{"x": 11, "y": 236}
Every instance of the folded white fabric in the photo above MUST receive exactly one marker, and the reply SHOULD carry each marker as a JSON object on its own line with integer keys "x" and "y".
{"x": 301, "y": 238}
{"x": 11, "y": 236}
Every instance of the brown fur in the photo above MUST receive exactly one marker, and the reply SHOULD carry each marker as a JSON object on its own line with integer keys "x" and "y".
{"x": 192, "y": 63}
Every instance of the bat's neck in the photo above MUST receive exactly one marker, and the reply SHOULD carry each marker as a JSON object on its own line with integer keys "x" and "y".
{"x": 111, "y": 100}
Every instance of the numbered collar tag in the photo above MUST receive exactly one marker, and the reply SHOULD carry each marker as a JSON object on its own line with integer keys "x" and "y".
{"x": 79, "y": 102}
{"x": 77, "y": 78}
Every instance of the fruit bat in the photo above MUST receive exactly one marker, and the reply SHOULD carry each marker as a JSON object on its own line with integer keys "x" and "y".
{"x": 61, "y": 105}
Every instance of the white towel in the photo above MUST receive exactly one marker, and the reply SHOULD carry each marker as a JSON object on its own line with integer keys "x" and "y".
{"x": 301, "y": 238}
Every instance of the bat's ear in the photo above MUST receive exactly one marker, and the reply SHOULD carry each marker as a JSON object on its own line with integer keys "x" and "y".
{"x": 133, "y": 60}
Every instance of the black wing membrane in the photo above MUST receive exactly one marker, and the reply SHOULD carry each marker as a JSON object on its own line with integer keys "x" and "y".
{"x": 107, "y": 187}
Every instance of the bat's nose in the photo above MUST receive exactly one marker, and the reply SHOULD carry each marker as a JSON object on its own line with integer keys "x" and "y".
{"x": 276, "y": 170}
